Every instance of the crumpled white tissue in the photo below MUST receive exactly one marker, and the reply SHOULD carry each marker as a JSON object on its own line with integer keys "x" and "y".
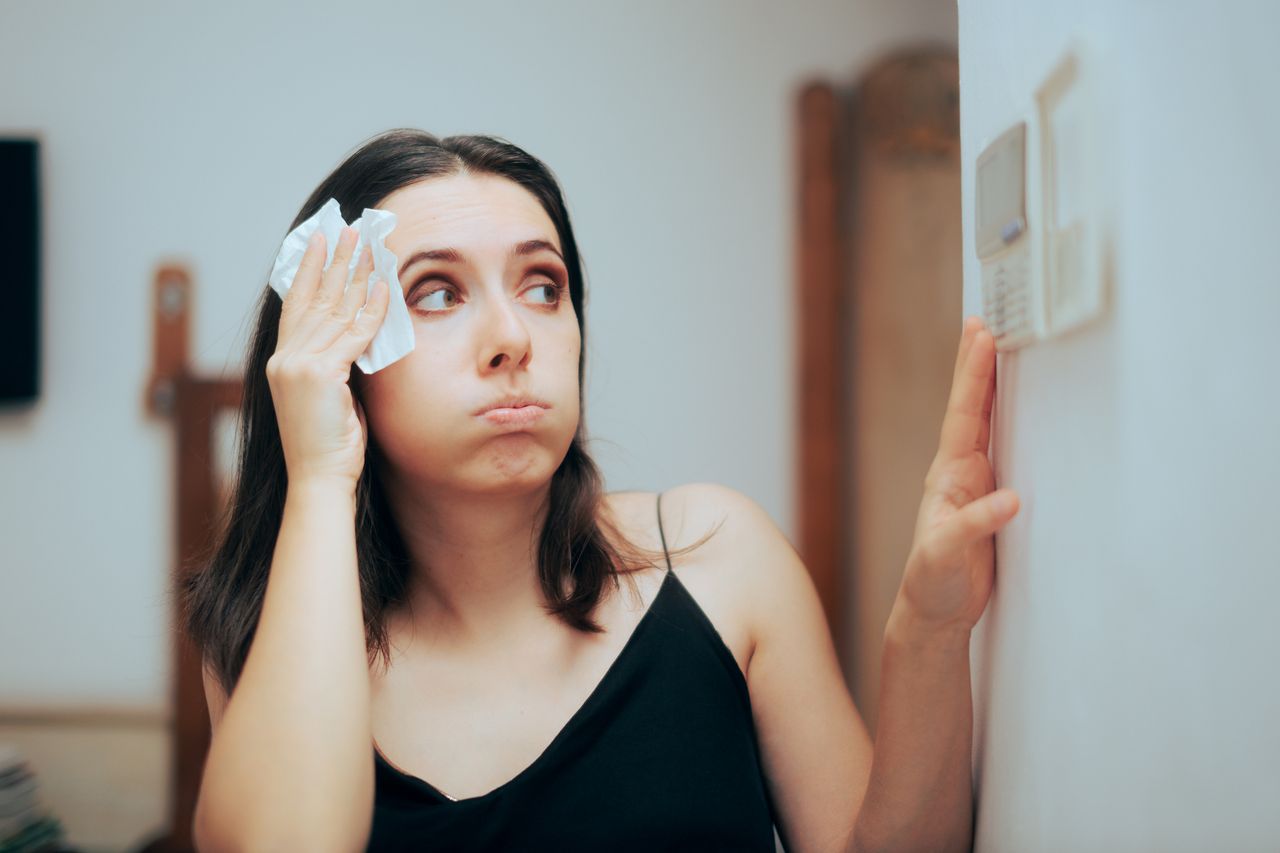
{"x": 395, "y": 338}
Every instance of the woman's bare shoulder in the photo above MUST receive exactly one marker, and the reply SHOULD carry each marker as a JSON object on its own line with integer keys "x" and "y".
{"x": 689, "y": 512}
{"x": 719, "y": 573}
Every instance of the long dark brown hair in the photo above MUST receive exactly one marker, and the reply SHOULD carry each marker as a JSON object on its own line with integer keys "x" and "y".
{"x": 220, "y": 595}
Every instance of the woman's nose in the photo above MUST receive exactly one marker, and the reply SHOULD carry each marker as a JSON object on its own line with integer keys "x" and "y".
{"x": 505, "y": 336}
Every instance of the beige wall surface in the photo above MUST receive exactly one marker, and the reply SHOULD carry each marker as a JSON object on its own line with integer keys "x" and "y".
{"x": 1123, "y": 673}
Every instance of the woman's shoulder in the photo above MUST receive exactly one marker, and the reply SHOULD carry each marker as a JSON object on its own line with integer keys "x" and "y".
{"x": 689, "y": 512}
{"x": 727, "y": 575}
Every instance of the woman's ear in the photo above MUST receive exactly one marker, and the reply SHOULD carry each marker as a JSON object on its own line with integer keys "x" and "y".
{"x": 355, "y": 381}
{"x": 364, "y": 424}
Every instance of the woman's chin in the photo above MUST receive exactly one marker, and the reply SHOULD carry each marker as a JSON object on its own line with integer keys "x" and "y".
{"x": 515, "y": 469}
{"x": 515, "y": 463}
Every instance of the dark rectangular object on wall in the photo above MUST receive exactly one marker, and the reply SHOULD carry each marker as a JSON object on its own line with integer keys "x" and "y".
{"x": 20, "y": 249}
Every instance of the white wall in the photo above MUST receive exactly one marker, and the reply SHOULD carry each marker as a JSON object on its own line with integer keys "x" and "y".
{"x": 194, "y": 133}
{"x": 1125, "y": 691}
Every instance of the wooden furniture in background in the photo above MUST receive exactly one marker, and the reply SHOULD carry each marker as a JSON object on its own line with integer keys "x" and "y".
{"x": 880, "y": 288}
{"x": 194, "y": 404}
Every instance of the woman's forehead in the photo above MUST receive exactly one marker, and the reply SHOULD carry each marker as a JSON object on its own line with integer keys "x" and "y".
{"x": 462, "y": 211}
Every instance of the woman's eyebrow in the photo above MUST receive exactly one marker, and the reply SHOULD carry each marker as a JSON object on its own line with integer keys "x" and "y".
{"x": 453, "y": 256}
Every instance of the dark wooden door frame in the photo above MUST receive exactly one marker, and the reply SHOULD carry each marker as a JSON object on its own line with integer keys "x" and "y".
{"x": 821, "y": 445}
{"x": 904, "y": 106}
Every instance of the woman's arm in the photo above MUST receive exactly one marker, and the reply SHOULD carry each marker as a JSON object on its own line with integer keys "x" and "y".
{"x": 912, "y": 790}
{"x": 920, "y": 795}
{"x": 290, "y": 766}
{"x": 835, "y": 791}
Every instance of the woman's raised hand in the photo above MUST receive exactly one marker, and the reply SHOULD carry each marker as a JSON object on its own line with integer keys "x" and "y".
{"x": 950, "y": 571}
{"x": 322, "y": 428}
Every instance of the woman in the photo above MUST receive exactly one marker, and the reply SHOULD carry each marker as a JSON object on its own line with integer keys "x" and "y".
{"x": 415, "y": 604}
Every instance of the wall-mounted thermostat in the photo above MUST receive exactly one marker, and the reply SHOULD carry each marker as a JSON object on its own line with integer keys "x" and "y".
{"x": 1011, "y": 301}
{"x": 1047, "y": 275}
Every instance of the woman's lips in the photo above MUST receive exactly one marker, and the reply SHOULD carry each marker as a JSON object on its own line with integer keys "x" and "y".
{"x": 514, "y": 418}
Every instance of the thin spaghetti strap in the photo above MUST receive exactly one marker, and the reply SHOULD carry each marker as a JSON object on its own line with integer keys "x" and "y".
{"x": 663, "y": 535}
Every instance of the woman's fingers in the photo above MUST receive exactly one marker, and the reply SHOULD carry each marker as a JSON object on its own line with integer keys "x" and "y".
{"x": 358, "y": 290}
{"x": 334, "y": 318}
{"x": 976, "y": 520}
{"x": 316, "y": 291}
{"x": 356, "y": 337}
{"x": 971, "y": 324}
{"x": 988, "y": 402}
{"x": 963, "y": 424}
{"x": 299, "y": 296}
{"x": 334, "y": 281}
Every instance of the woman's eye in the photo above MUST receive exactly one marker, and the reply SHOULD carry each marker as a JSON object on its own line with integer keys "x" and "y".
{"x": 552, "y": 290}
{"x": 445, "y": 297}
{"x": 421, "y": 301}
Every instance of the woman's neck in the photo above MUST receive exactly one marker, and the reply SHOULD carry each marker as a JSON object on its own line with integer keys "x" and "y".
{"x": 474, "y": 558}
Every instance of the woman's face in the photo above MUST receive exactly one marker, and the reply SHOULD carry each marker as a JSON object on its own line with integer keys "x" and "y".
{"x": 493, "y": 319}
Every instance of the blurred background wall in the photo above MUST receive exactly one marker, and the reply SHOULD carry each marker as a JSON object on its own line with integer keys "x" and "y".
{"x": 193, "y": 133}
{"x": 1124, "y": 683}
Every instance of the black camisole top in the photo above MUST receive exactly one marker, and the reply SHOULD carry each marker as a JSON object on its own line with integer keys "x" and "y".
{"x": 661, "y": 756}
